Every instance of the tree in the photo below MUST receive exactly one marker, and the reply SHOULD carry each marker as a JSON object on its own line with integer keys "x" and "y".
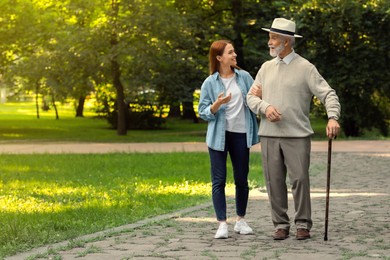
{"x": 347, "y": 40}
{"x": 155, "y": 51}
{"x": 203, "y": 23}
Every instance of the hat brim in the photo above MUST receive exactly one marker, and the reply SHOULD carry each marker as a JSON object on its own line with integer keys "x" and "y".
{"x": 295, "y": 35}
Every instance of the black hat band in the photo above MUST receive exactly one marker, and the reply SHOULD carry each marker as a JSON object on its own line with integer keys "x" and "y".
{"x": 282, "y": 31}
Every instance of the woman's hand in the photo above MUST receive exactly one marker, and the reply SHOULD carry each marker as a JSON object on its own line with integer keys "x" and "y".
{"x": 220, "y": 100}
{"x": 257, "y": 91}
{"x": 224, "y": 99}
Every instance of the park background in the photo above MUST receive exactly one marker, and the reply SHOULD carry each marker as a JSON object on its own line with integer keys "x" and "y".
{"x": 141, "y": 61}
{"x": 130, "y": 71}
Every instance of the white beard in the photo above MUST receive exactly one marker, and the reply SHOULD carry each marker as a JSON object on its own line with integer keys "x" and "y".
{"x": 276, "y": 51}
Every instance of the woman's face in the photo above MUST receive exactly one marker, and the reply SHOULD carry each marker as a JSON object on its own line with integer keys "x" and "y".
{"x": 228, "y": 57}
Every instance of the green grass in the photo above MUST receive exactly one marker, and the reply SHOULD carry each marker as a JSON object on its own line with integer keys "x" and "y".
{"x": 50, "y": 198}
{"x": 53, "y": 197}
{"x": 19, "y": 123}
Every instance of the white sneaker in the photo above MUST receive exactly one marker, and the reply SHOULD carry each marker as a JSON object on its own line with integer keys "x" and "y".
{"x": 242, "y": 228}
{"x": 222, "y": 231}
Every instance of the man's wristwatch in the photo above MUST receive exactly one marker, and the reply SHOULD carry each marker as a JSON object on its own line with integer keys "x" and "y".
{"x": 333, "y": 117}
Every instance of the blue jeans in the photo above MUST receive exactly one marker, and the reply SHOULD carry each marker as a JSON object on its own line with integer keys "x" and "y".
{"x": 236, "y": 146}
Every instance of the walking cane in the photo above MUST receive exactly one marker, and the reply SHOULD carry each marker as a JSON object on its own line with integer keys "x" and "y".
{"x": 328, "y": 188}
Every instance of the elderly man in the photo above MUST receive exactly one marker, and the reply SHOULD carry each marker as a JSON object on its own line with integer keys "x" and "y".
{"x": 288, "y": 83}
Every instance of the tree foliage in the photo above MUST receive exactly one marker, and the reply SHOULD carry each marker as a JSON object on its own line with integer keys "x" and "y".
{"x": 348, "y": 41}
{"x": 154, "y": 52}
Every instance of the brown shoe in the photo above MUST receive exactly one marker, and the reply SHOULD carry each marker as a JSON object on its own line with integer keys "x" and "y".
{"x": 302, "y": 234}
{"x": 281, "y": 234}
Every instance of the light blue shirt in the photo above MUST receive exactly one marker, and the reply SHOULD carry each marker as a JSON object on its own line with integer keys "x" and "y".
{"x": 216, "y": 128}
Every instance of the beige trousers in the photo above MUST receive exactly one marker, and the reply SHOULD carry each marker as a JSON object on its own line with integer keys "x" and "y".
{"x": 282, "y": 156}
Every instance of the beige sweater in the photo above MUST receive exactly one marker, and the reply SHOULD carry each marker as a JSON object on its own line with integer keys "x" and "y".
{"x": 290, "y": 88}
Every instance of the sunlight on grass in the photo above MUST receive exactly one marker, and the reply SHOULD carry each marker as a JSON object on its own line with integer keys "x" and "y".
{"x": 12, "y": 135}
{"x": 182, "y": 188}
{"x": 44, "y": 199}
{"x": 62, "y": 196}
{"x": 28, "y": 110}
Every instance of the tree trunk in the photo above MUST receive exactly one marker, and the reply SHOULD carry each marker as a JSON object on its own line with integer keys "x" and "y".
{"x": 238, "y": 42}
{"x": 174, "y": 110}
{"x": 350, "y": 127}
{"x": 80, "y": 107}
{"x": 188, "y": 111}
{"x": 36, "y": 99}
{"x": 120, "y": 97}
{"x": 54, "y": 105}
{"x": 116, "y": 74}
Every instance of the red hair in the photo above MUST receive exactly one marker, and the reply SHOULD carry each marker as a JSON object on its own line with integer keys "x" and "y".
{"x": 216, "y": 49}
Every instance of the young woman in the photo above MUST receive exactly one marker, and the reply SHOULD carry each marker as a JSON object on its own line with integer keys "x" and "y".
{"x": 232, "y": 128}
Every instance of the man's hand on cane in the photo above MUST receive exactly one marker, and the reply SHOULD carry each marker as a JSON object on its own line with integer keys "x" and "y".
{"x": 332, "y": 129}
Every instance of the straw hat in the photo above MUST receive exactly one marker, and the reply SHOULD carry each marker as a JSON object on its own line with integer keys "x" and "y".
{"x": 283, "y": 26}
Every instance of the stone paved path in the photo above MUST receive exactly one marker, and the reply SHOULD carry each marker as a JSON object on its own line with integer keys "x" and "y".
{"x": 359, "y": 220}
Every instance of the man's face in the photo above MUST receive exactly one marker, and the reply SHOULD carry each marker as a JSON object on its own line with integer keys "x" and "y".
{"x": 276, "y": 44}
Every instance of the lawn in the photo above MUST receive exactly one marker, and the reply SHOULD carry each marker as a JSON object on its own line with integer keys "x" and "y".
{"x": 19, "y": 123}
{"x": 49, "y": 198}
{"x": 46, "y": 198}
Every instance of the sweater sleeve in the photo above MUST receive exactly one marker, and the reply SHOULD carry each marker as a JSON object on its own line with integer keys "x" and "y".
{"x": 327, "y": 95}
{"x": 256, "y": 104}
